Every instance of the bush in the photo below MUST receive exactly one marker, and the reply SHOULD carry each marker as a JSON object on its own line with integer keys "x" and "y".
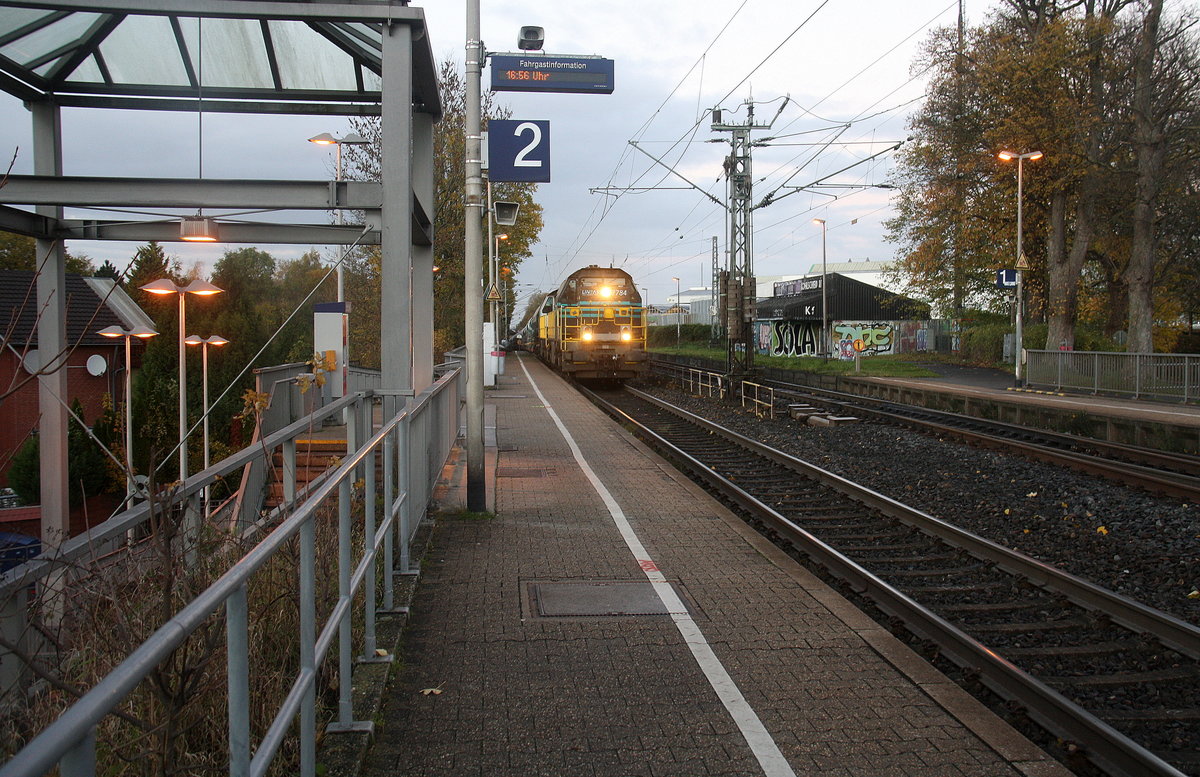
{"x": 688, "y": 333}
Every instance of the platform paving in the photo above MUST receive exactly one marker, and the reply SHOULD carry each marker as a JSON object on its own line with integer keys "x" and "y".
{"x": 488, "y": 686}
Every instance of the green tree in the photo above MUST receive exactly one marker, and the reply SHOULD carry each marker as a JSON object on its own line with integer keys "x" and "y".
{"x": 108, "y": 270}
{"x": 19, "y": 252}
{"x": 86, "y": 463}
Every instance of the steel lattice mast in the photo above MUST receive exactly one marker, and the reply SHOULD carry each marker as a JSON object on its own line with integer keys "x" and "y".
{"x": 739, "y": 293}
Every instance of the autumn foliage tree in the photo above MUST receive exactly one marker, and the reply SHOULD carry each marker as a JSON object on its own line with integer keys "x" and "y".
{"x": 1061, "y": 78}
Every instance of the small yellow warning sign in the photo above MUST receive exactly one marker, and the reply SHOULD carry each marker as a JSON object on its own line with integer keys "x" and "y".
{"x": 1022, "y": 262}
{"x": 493, "y": 294}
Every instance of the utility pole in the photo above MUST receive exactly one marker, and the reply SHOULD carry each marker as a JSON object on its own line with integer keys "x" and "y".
{"x": 712, "y": 307}
{"x": 740, "y": 294}
{"x": 473, "y": 274}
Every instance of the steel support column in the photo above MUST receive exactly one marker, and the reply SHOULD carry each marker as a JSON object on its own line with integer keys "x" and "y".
{"x": 52, "y": 339}
{"x": 396, "y": 341}
{"x": 422, "y": 255}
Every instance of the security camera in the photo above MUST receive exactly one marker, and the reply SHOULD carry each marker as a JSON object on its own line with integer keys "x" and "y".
{"x": 506, "y": 213}
{"x": 531, "y": 39}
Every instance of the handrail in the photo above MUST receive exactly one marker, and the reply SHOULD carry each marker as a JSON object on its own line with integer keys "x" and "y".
{"x": 120, "y": 524}
{"x": 68, "y": 740}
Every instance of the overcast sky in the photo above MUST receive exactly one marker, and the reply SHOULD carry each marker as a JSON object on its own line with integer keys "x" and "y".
{"x": 845, "y": 67}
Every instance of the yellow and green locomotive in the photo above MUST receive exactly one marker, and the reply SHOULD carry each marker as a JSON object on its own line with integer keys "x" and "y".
{"x": 594, "y": 326}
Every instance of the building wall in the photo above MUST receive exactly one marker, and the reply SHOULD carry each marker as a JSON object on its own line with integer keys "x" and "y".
{"x": 802, "y": 337}
{"x": 19, "y": 411}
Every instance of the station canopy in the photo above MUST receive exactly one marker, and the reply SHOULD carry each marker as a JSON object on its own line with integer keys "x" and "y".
{"x": 220, "y": 55}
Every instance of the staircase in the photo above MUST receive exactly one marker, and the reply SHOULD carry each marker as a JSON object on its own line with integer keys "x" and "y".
{"x": 313, "y": 457}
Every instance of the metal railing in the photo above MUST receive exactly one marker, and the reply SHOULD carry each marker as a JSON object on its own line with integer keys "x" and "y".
{"x": 703, "y": 383}
{"x": 761, "y": 399}
{"x": 413, "y": 443}
{"x": 1166, "y": 376}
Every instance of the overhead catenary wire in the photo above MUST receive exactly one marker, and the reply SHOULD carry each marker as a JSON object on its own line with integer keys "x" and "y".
{"x": 637, "y": 185}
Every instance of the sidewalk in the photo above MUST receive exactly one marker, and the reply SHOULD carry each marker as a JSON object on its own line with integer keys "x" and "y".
{"x": 513, "y": 663}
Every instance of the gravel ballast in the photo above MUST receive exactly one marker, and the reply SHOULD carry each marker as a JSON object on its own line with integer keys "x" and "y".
{"x": 1137, "y": 544}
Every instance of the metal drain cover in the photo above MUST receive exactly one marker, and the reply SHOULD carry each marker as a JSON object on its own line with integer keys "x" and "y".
{"x": 520, "y": 472}
{"x": 593, "y": 598}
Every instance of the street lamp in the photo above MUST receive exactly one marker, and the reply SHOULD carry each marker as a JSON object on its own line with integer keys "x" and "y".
{"x": 678, "y": 309}
{"x": 128, "y": 334}
{"x": 204, "y": 342}
{"x": 200, "y": 288}
{"x": 1008, "y": 156}
{"x": 349, "y": 139}
{"x": 824, "y": 293}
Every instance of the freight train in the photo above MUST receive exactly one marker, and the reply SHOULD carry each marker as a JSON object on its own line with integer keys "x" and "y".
{"x": 593, "y": 327}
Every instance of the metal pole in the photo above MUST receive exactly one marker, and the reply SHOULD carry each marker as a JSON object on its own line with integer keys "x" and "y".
{"x": 1020, "y": 275}
{"x": 493, "y": 259}
{"x": 824, "y": 294}
{"x": 183, "y": 459}
{"x": 129, "y": 487}
{"x": 204, "y": 370}
{"x": 473, "y": 292}
{"x": 678, "y": 311}
{"x": 341, "y": 280}
{"x": 237, "y": 641}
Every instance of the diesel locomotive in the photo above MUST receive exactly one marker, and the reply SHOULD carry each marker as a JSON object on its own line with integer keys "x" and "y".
{"x": 593, "y": 327}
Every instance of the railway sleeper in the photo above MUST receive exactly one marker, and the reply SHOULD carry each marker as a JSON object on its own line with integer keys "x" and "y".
{"x": 1163, "y": 715}
{"x": 994, "y": 607}
{"x": 1171, "y": 675}
{"x": 943, "y": 572}
{"x": 1066, "y": 624}
{"x": 882, "y": 547}
{"x": 958, "y": 590}
{"x": 920, "y": 558}
{"x": 1083, "y": 651}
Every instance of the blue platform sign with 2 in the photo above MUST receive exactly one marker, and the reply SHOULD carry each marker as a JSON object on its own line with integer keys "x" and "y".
{"x": 519, "y": 150}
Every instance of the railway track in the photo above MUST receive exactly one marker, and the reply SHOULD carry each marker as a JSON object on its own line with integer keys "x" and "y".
{"x": 1111, "y": 677}
{"x": 1168, "y": 473}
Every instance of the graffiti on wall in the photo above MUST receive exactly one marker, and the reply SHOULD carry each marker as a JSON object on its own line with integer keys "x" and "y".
{"x": 802, "y": 338}
{"x": 878, "y": 337}
{"x": 789, "y": 338}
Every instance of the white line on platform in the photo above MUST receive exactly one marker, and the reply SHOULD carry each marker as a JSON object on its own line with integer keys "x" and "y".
{"x": 757, "y": 737}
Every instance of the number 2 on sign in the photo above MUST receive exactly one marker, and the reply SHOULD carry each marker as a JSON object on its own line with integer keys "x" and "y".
{"x": 536, "y": 132}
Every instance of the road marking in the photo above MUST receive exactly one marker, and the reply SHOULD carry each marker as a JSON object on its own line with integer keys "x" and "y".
{"x": 757, "y": 737}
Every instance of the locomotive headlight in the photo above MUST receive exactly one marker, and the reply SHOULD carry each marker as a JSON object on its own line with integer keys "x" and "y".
{"x": 626, "y": 335}
{"x": 587, "y": 335}
{"x": 606, "y": 291}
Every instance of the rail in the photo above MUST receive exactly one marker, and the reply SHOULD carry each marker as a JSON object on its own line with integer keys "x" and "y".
{"x": 413, "y": 442}
{"x": 1167, "y": 376}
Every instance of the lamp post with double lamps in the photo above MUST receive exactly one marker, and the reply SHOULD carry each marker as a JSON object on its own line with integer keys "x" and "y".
{"x": 1008, "y": 156}
{"x": 145, "y": 334}
{"x": 215, "y": 341}
{"x": 164, "y": 286}
{"x": 349, "y": 139}
{"x": 824, "y": 293}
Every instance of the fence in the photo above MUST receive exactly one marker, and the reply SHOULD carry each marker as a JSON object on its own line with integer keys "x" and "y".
{"x": 1142, "y": 375}
{"x": 413, "y": 444}
{"x": 761, "y": 399}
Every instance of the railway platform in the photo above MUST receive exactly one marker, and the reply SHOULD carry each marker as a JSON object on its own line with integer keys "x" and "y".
{"x": 612, "y": 619}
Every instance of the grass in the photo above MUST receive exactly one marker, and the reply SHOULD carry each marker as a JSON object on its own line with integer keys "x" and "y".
{"x": 900, "y": 366}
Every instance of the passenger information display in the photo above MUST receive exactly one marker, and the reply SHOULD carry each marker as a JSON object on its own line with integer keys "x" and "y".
{"x": 547, "y": 73}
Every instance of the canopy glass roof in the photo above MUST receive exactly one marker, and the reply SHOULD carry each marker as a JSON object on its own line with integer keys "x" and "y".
{"x": 90, "y": 53}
